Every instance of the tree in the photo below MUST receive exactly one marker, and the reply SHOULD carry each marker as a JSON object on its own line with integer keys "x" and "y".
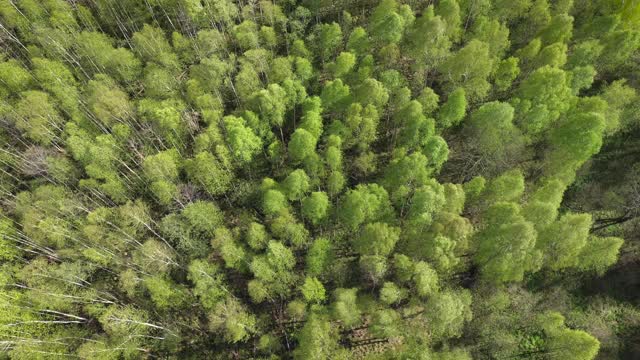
{"x": 364, "y": 203}
{"x": 256, "y": 236}
{"x": 296, "y": 184}
{"x": 492, "y": 32}
{"x": 508, "y": 187}
{"x": 312, "y": 290}
{"x": 425, "y": 279}
{"x": 287, "y": 228}
{"x": 449, "y": 11}
{"x": 565, "y": 342}
{"x": 302, "y": 145}
{"x": 563, "y": 240}
{"x": 488, "y": 126}
{"x": 599, "y": 253}
{"x": 385, "y": 323}
{"x": 386, "y": 24}
{"x": 617, "y": 95}
{"x": 164, "y": 293}
{"x": 453, "y": 110}
{"x": 358, "y": 41}
{"x": 225, "y": 245}
{"x": 124, "y": 321}
{"x": 154, "y": 256}
{"x": 166, "y": 119}
{"x": 230, "y": 318}
{"x": 335, "y": 95}
{"x": 319, "y": 257}
{"x": 206, "y": 170}
{"x": 361, "y": 126}
{"x": 343, "y": 65}
{"x": 543, "y": 203}
{"x": 269, "y": 103}
{"x": 328, "y": 40}
{"x": 618, "y": 47}
{"x": 373, "y": 268}
{"x": 273, "y": 202}
{"x": 376, "y": 239}
{"x": 405, "y": 174}
{"x": 8, "y": 236}
{"x": 204, "y": 217}
{"x": 318, "y": 339}
{"x": 428, "y": 50}
{"x": 272, "y": 272}
{"x": 345, "y": 307}
{"x": 554, "y": 55}
{"x": 163, "y": 170}
{"x": 97, "y": 54}
{"x": 315, "y": 207}
{"x": 448, "y": 311}
{"x": 506, "y": 246}
{"x": 54, "y": 77}
{"x": 107, "y": 101}
{"x": 559, "y": 29}
{"x": 37, "y": 117}
{"x": 414, "y": 127}
{"x": 429, "y": 100}
{"x": 15, "y": 78}
{"x": 573, "y": 142}
{"x": 390, "y": 293}
{"x": 209, "y": 283}
{"x": 151, "y": 45}
{"x": 244, "y": 143}
{"x": 373, "y": 92}
{"x": 469, "y": 68}
{"x": 541, "y": 99}
{"x": 506, "y": 72}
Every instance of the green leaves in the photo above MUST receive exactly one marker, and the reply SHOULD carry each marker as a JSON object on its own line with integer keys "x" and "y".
{"x": 448, "y": 311}
{"x": 318, "y": 340}
{"x": 312, "y": 290}
{"x": 302, "y": 145}
{"x": 386, "y": 24}
{"x": 230, "y": 318}
{"x": 541, "y": 99}
{"x": 163, "y": 170}
{"x": 364, "y": 203}
{"x": 506, "y": 246}
{"x": 205, "y": 170}
{"x": 272, "y": 271}
{"x": 278, "y": 179}
{"x": 315, "y": 207}
{"x": 469, "y": 68}
{"x": 453, "y": 110}
{"x": 37, "y": 117}
{"x": 209, "y": 284}
{"x": 562, "y": 241}
{"x": 376, "y": 239}
{"x": 243, "y": 142}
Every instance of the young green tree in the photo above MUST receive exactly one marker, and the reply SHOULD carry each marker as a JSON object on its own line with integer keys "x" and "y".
{"x": 272, "y": 272}
{"x": 318, "y": 339}
{"x": 37, "y": 117}
{"x": 469, "y": 68}
{"x": 244, "y": 143}
{"x": 205, "y": 170}
{"x": 506, "y": 245}
{"x": 315, "y": 207}
{"x": 376, "y": 239}
{"x": 453, "y": 110}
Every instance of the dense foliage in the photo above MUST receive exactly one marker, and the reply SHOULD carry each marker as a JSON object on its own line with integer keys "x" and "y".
{"x": 319, "y": 179}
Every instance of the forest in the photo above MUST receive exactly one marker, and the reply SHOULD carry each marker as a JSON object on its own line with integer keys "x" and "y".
{"x": 320, "y": 179}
